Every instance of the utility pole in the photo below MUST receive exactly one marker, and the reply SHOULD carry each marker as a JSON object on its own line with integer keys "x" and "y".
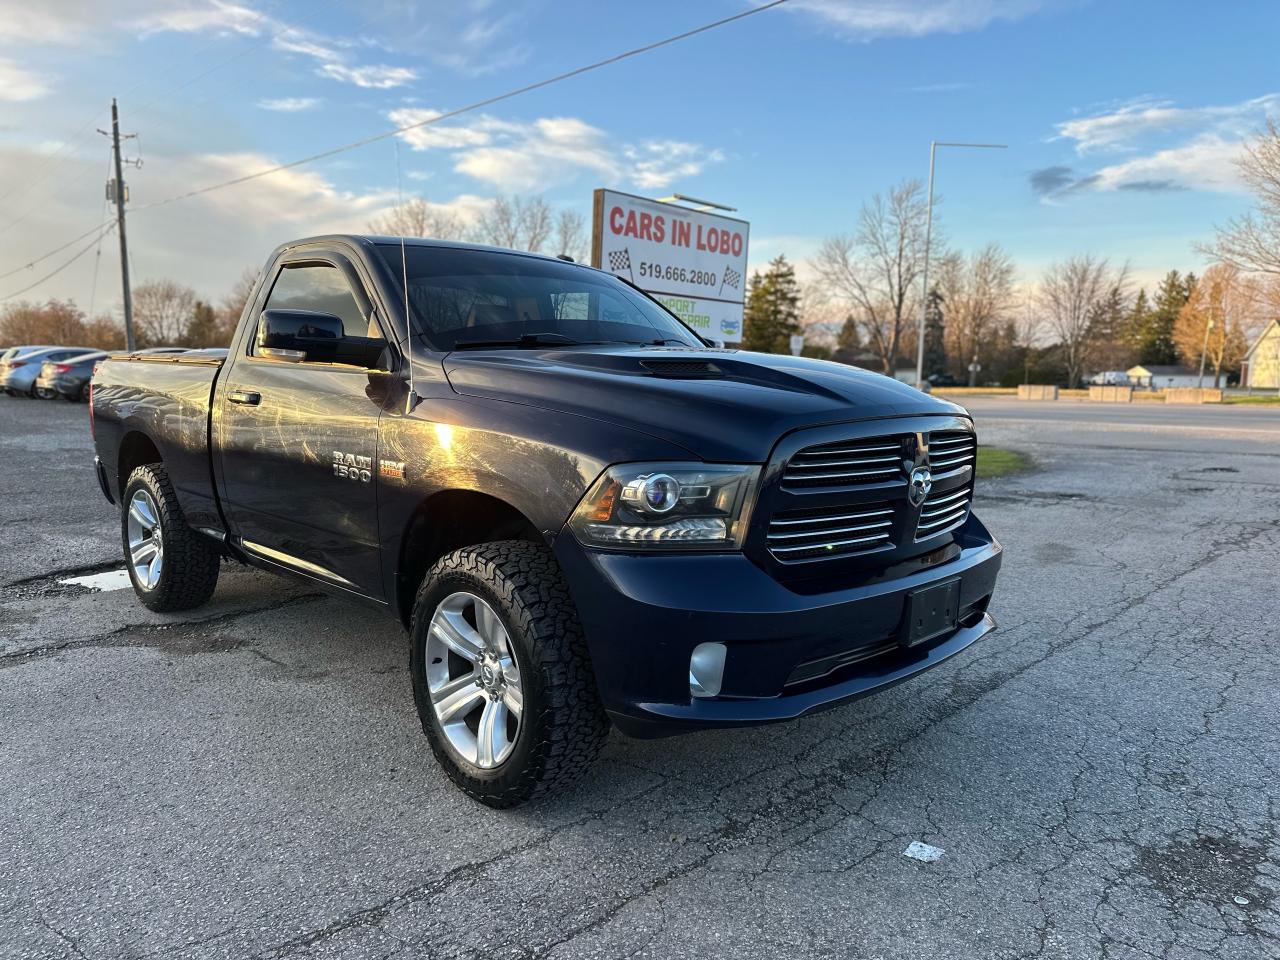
{"x": 119, "y": 192}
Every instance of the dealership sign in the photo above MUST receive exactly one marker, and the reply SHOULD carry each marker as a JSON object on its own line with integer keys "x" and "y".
{"x": 694, "y": 262}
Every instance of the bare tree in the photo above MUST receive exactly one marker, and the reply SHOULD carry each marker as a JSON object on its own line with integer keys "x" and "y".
{"x": 516, "y": 222}
{"x": 162, "y": 309}
{"x": 416, "y": 217}
{"x": 979, "y": 295}
{"x": 1252, "y": 242}
{"x": 571, "y": 232}
{"x": 875, "y": 269}
{"x": 1069, "y": 293}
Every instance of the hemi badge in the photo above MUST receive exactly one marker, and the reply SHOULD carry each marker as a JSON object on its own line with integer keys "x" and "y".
{"x": 391, "y": 469}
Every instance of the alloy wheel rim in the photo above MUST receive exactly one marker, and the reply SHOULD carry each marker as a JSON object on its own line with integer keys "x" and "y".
{"x": 473, "y": 680}
{"x": 146, "y": 540}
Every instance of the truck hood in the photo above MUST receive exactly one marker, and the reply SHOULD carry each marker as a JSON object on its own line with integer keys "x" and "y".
{"x": 724, "y": 405}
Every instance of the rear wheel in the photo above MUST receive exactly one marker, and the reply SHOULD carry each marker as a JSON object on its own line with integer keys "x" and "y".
{"x": 171, "y": 566}
{"x": 41, "y": 393}
{"x": 501, "y": 675}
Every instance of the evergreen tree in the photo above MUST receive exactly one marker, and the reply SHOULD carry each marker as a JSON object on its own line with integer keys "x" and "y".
{"x": 849, "y": 340}
{"x": 1156, "y": 344}
{"x": 203, "y": 328}
{"x": 935, "y": 350}
{"x": 1136, "y": 321}
{"x": 773, "y": 308}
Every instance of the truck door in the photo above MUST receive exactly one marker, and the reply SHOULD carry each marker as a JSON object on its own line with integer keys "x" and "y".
{"x": 296, "y": 441}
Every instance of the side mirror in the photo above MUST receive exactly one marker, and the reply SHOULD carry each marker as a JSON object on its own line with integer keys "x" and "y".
{"x": 297, "y": 335}
{"x": 293, "y": 335}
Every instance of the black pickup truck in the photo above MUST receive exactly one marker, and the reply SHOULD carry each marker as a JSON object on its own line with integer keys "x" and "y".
{"x": 582, "y": 513}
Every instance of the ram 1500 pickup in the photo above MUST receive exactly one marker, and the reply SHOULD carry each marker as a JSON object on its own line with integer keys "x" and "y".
{"x": 581, "y": 512}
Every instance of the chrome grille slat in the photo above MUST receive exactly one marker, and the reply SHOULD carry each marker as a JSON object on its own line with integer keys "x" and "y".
{"x": 829, "y": 545}
{"x": 825, "y": 532}
{"x": 950, "y": 518}
{"x": 841, "y": 451}
{"x": 844, "y": 463}
{"x": 834, "y": 519}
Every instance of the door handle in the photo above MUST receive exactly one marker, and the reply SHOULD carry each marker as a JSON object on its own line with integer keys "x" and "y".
{"x": 245, "y": 396}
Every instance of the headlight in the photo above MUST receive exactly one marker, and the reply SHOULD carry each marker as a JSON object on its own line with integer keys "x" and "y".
{"x": 667, "y": 506}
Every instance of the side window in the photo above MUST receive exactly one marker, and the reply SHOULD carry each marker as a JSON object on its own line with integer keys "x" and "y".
{"x": 322, "y": 288}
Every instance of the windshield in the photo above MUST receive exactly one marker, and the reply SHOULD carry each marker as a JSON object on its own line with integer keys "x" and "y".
{"x": 462, "y": 297}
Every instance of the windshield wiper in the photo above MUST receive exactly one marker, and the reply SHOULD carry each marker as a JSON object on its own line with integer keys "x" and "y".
{"x": 525, "y": 340}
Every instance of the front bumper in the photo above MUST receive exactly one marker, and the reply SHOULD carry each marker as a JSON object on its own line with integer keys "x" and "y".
{"x": 790, "y": 654}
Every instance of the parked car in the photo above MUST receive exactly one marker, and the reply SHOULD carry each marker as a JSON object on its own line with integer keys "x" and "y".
{"x": 68, "y": 378}
{"x": 945, "y": 380}
{"x": 580, "y": 511}
{"x": 1110, "y": 378}
{"x": 18, "y": 371}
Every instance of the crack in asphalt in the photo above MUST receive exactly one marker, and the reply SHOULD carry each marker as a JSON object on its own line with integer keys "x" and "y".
{"x": 155, "y": 635}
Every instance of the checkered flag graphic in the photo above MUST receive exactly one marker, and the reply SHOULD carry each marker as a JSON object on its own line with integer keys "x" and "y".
{"x": 620, "y": 260}
{"x": 732, "y": 278}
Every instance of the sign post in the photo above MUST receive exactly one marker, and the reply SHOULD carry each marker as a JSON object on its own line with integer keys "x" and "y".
{"x": 694, "y": 262}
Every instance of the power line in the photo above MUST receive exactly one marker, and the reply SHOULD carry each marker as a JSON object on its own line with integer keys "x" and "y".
{"x": 98, "y": 230}
{"x": 57, "y": 270}
{"x": 488, "y": 101}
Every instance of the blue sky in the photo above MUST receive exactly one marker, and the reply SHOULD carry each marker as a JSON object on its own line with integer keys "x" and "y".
{"x": 1122, "y": 119}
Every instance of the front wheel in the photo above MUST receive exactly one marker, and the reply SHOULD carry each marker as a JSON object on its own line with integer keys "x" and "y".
{"x": 171, "y": 566}
{"x": 501, "y": 675}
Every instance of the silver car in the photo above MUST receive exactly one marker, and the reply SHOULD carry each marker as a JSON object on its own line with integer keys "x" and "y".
{"x": 20, "y": 366}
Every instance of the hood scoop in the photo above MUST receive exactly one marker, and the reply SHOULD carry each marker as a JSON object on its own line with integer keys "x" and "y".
{"x": 684, "y": 369}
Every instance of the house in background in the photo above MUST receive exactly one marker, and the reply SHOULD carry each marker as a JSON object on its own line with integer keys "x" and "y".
{"x": 1159, "y": 377}
{"x": 1261, "y": 367}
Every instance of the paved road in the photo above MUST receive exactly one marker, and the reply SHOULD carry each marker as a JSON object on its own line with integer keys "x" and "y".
{"x": 1103, "y": 773}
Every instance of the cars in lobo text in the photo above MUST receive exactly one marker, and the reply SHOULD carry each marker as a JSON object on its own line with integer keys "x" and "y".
{"x": 582, "y": 514}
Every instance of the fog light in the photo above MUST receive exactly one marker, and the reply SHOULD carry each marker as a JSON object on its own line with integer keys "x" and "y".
{"x": 706, "y": 669}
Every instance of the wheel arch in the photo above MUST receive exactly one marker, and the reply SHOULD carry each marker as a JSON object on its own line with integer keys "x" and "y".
{"x": 448, "y": 520}
{"x": 136, "y": 450}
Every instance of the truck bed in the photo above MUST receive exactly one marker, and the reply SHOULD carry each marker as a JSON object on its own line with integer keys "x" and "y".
{"x": 160, "y": 400}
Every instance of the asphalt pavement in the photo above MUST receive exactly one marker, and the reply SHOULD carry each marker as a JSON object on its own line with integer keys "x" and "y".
{"x": 249, "y": 780}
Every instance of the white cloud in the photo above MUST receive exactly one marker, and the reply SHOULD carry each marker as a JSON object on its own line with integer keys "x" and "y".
{"x": 659, "y": 163}
{"x": 377, "y": 76}
{"x": 1166, "y": 147}
{"x": 869, "y": 19}
{"x": 216, "y": 16}
{"x": 517, "y": 157}
{"x": 290, "y": 104}
{"x": 1122, "y": 128}
{"x": 17, "y": 83}
{"x": 220, "y": 16}
{"x": 1206, "y": 163}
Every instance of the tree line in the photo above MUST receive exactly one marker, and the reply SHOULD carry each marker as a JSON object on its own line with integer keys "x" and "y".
{"x": 1081, "y": 315}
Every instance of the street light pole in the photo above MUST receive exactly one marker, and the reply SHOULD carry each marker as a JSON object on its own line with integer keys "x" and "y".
{"x": 1204, "y": 350}
{"x": 928, "y": 238}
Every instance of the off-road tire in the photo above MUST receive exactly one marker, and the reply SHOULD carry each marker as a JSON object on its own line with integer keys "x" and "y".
{"x": 563, "y": 726}
{"x": 189, "y": 572}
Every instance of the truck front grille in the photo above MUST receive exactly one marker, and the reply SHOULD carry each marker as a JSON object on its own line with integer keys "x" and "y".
{"x": 827, "y": 532}
{"x": 942, "y": 511}
{"x": 848, "y": 463}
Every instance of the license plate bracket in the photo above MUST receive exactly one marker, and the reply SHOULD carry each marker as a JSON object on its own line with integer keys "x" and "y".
{"x": 930, "y": 612}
